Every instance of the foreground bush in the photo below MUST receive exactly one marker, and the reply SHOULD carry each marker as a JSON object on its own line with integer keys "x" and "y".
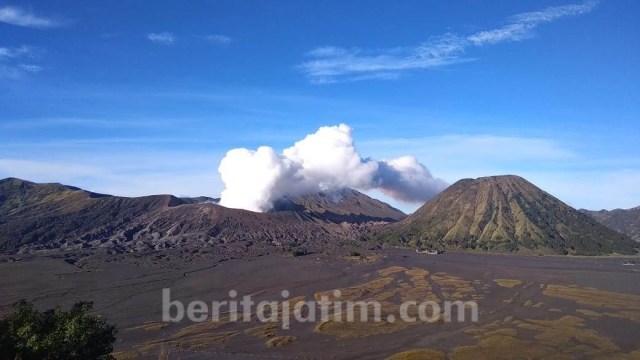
{"x": 28, "y": 334}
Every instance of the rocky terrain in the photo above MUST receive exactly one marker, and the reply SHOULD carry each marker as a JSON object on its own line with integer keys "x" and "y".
{"x": 505, "y": 214}
{"x": 499, "y": 214}
{"x": 626, "y": 221}
{"x": 53, "y": 216}
{"x": 345, "y": 205}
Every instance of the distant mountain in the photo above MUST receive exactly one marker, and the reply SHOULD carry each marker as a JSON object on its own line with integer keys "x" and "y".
{"x": 346, "y": 205}
{"x": 508, "y": 214}
{"x": 52, "y": 216}
{"x": 626, "y": 221}
{"x": 200, "y": 200}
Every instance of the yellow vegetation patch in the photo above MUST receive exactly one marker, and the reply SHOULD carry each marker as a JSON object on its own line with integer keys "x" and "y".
{"x": 594, "y": 297}
{"x": 454, "y": 288}
{"x": 507, "y": 283}
{"x": 150, "y": 346}
{"x": 503, "y": 332}
{"x": 202, "y": 327}
{"x": 533, "y": 304}
{"x": 356, "y": 292}
{"x": 420, "y": 288}
{"x": 280, "y": 341}
{"x": 589, "y": 313}
{"x": 418, "y": 354}
{"x": 262, "y": 331}
{"x": 204, "y": 341}
{"x": 150, "y": 326}
{"x": 566, "y": 331}
{"x": 630, "y": 315}
{"x": 196, "y": 342}
{"x": 357, "y": 329}
{"x": 391, "y": 270}
{"x": 478, "y": 331}
{"x": 501, "y": 347}
{"x": 564, "y": 338}
{"x": 125, "y": 355}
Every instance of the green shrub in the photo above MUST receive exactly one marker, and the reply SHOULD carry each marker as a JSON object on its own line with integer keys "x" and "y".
{"x": 28, "y": 334}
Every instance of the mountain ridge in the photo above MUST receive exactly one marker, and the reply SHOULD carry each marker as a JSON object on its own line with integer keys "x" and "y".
{"x": 626, "y": 221}
{"x": 51, "y": 216}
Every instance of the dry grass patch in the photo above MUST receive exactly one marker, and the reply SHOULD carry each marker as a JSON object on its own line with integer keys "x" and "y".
{"x": 202, "y": 327}
{"x": 477, "y": 331}
{"x": 391, "y": 270}
{"x": 262, "y": 331}
{"x": 204, "y": 341}
{"x": 507, "y": 283}
{"x": 595, "y": 297}
{"x": 454, "y": 288}
{"x": 149, "y": 326}
{"x": 125, "y": 355}
{"x": 150, "y": 346}
{"x": 358, "y": 291}
{"x": 589, "y": 313}
{"x": 357, "y": 329}
{"x": 420, "y": 288}
{"x": 418, "y": 354}
{"x": 500, "y": 347}
{"x": 564, "y": 338}
{"x": 280, "y": 341}
{"x": 532, "y": 304}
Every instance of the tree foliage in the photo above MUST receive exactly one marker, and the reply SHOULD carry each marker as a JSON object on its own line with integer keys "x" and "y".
{"x": 28, "y": 334}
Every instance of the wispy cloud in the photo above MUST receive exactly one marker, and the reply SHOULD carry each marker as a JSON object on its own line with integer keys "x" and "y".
{"x": 18, "y": 52}
{"x": 521, "y": 26}
{"x": 218, "y": 39}
{"x": 165, "y": 38}
{"x": 332, "y": 64}
{"x": 30, "y": 68}
{"x": 17, "y": 61}
{"x": 19, "y": 17}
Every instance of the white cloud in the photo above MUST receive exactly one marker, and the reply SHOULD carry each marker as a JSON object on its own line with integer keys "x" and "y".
{"x": 521, "y": 26}
{"x": 454, "y": 157}
{"x": 19, "y": 17}
{"x": 30, "y": 68}
{"x": 165, "y": 38}
{"x": 557, "y": 167}
{"x": 12, "y": 65}
{"x": 554, "y": 12}
{"x": 323, "y": 161}
{"x": 218, "y": 39}
{"x": 510, "y": 32}
{"x": 18, "y": 52}
{"x": 332, "y": 64}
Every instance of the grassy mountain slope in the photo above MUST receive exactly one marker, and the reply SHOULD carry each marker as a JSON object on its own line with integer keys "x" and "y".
{"x": 505, "y": 213}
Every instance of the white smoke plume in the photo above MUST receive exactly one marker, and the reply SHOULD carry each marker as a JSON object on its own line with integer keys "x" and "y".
{"x": 324, "y": 161}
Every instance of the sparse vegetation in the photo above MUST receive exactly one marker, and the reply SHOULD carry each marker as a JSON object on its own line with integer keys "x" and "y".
{"x": 280, "y": 341}
{"x": 418, "y": 354}
{"x": 507, "y": 283}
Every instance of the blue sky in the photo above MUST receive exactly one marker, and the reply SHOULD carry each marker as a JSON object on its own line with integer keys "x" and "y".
{"x": 135, "y": 98}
